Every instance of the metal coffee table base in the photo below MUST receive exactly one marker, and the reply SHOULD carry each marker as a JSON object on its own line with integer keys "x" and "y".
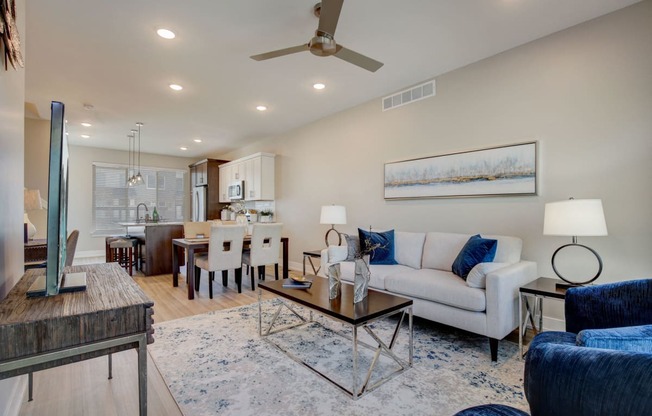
{"x": 381, "y": 348}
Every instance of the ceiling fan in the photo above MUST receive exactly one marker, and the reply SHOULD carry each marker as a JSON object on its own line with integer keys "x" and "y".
{"x": 323, "y": 43}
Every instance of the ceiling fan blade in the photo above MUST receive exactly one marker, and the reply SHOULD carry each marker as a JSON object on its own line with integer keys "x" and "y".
{"x": 280, "y": 52}
{"x": 329, "y": 15}
{"x": 357, "y": 59}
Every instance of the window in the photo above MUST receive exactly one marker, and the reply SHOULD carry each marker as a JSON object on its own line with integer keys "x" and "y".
{"x": 115, "y": 202}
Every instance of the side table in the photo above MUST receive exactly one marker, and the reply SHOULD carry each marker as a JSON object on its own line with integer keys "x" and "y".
{"x": 536, "y": 291}
{"x": 310, "y": 255}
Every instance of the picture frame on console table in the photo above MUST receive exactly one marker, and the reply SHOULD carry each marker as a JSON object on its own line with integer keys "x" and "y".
{"x": 509, "y": 170}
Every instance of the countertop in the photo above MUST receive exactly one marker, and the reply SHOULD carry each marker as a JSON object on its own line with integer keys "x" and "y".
{"x": 149, "y": 224}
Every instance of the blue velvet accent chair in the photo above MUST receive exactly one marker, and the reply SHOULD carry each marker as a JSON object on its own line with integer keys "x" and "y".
{"x": 602, "y": 365}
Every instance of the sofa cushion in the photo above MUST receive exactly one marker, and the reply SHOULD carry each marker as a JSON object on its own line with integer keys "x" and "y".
{"x": 440, "y": 250}
{"x": 408, "y": 248}
{"x": 478, "y": 275}
{"x": 476, "y": 250}
{"x": 438, "y": 286}
{"x": 378, "y": 272}
{"x": 384, "y": 253}
{"x": 508, "y": 250}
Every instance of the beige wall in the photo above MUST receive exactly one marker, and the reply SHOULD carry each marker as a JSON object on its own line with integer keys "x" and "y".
{"x": 12, "y": 114}
{"x": 585, "y": 94}
{"x": 37, "y": 154}
{"x": 80, "y": 211}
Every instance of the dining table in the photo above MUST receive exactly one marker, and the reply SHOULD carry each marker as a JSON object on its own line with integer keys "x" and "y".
{"x": 198, "y": 245}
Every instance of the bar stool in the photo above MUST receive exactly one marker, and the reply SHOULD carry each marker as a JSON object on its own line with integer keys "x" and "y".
{"x": 121, "y": 250}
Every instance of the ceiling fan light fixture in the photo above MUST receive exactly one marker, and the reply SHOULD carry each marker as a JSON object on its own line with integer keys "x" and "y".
{"x": 322, "y": 45}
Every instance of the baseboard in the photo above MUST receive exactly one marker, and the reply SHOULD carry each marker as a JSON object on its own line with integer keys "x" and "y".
{"x": 15, "y": 396}
{"x": 90, "y": 253}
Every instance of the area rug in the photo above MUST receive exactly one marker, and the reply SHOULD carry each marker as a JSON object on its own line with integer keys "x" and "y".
{"x": 217, "y": 364}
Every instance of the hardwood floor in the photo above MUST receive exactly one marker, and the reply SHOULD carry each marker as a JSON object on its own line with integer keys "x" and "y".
{"x": 84, "y": 389}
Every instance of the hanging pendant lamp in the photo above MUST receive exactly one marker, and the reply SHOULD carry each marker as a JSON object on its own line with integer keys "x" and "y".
{"x": 138, "y": 179}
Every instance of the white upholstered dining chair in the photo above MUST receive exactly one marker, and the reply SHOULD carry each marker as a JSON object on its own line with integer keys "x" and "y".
{"x": 264, "y": 250}
{"x": 224, "y": 253}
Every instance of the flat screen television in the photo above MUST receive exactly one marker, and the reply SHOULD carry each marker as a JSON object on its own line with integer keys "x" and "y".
{"x": 55, "y": 280}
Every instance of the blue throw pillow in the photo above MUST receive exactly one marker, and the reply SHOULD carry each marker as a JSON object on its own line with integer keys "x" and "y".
{"x": 384, "y": 254}
{"x": 476, "y": 250}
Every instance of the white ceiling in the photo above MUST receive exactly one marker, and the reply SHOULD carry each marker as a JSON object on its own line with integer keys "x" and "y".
{"x": 107, "y": 54}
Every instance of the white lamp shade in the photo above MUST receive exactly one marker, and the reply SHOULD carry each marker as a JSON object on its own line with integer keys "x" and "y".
{"x": 575, "y": 217}
{"x": 32, "y": 199}
{"x": 333, "y": 214}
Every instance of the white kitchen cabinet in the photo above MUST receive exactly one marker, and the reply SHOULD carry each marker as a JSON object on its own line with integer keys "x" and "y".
{"x": 257, "y": 172}
{"x": 225, "y": 181}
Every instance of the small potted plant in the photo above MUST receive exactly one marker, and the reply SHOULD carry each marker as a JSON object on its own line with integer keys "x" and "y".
{"x": 266, "y": 215}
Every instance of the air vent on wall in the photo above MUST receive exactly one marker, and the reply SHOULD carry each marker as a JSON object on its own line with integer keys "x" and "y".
{"x": 409, "y": 96}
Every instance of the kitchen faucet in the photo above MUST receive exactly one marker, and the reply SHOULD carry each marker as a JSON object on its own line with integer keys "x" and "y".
{"x": 137, "y": 211}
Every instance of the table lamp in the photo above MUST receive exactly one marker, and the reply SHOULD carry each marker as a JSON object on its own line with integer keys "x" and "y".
{"x": 575, "y": 218}
{"x": 333, "y": 214}
{"x": 32, "y": 201}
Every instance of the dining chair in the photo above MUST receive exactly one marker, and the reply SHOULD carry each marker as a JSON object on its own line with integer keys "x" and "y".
{"x": 264, "y": 249}
{"x": 197, "y": 229}
{"x": 224, "y": 253}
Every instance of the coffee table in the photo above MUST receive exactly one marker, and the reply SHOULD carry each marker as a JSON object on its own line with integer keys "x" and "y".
{"x": 377, "y": 305}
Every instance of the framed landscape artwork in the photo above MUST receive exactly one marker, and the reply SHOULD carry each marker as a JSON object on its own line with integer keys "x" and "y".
{"x": 498, "y": 171}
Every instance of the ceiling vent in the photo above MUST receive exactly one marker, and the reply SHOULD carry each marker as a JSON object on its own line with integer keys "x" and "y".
{"x": 410, "y": 95}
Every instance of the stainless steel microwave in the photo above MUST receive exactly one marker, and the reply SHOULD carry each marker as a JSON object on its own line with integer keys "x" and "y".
{"x": 236, "y": 190}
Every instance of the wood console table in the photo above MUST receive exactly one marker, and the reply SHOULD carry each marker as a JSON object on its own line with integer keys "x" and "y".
{"x": 112, "y": 315}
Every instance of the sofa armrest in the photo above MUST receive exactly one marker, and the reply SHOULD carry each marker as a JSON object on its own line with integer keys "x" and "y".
{"x": 630, "y": 338}
{"x": 330, "y": 255}
{"x": 502, "y": 296}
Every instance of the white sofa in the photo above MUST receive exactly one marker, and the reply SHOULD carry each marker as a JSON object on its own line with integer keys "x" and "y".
{"x": 423, "y": 273}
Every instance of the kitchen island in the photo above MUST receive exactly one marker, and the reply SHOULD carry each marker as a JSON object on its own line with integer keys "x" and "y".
{"x": 155, "y": 240}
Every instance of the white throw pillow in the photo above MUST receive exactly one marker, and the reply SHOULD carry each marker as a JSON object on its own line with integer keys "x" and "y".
{"x": 478, "y": 275}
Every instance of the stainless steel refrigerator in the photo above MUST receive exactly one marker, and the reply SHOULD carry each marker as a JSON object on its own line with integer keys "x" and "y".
{"x": 199, "y": 203}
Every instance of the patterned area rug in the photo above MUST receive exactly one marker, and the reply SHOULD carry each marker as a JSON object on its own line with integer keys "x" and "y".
{"x": 216, "y": 364}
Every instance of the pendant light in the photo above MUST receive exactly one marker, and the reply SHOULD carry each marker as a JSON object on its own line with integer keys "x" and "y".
{"x": 138, "y": 179}
{"x": 130, "y": 173}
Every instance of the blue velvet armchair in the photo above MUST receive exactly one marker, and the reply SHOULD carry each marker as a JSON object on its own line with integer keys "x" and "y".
{"x": 602, "y": 365}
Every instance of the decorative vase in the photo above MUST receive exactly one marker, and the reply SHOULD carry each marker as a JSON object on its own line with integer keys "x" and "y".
{"x": 361, "y": 279}
{"x": 334, "y": 281}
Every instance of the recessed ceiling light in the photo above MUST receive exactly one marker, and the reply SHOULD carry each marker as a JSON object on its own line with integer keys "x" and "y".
{"x": 67, "y": 134}
{"x": 85, "y": 136}
{"x": 183, "y": 148}
{"x": 197, "y": 140}
{"x": 165, "y": 33}
{"x": 261, "y": 108}
{"x": 319, "y": 86}
{"x": 176, "y": 87}
{"x": 86, "y": 124}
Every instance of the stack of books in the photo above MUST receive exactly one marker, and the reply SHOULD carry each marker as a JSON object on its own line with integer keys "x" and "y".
{"x": 297, "y": 283}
